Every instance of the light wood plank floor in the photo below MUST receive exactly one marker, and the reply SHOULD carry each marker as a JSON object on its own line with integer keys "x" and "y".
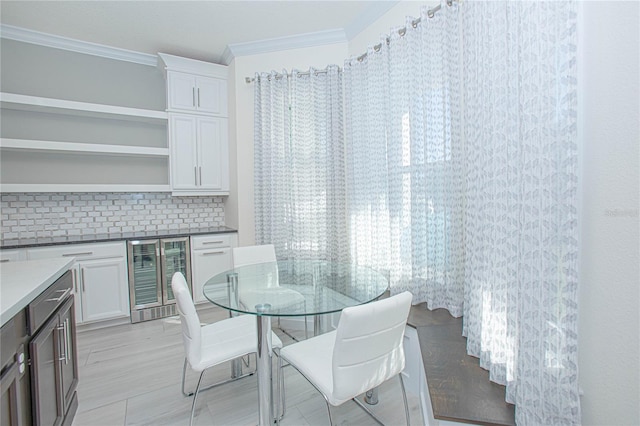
{"x": 130, "y": 375}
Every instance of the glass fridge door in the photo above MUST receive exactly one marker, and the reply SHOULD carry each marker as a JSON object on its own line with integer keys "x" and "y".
{"x": 175, "y": 258}
{"x": 144, "y": 274}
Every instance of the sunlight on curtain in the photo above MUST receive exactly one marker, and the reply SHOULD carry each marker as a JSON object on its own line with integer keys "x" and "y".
{"x": 461, "y": 180}
{"x": 299, "y": 164}
{"x": 404, "y": 160}
{"x": 520, "y": 310}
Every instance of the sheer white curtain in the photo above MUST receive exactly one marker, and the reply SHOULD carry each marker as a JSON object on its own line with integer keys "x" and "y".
{"x": 520, "y": 310}
{"x": 404, "y": 159}
{"x": 299, "y": 164}
{"x": 461, "y": 176}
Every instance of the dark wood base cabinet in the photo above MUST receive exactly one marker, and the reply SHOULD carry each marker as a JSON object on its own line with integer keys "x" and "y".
{"x": 54, "y": 369}
{"x": 15, "y": 400}
{"x": 39, "y": 373}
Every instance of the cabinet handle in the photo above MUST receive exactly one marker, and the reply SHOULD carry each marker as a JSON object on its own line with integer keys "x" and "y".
{"x": 63, "y": 343}
{"x": 198, "y": 97}
{"x": 195, "y": 174}
{"x": 67, "y": 335}
{"x": 4, "y": 260}
{"x": 64, "y": 294}
{"x": 82, "y": 277}
{"x": 193, "y": 96}
{"x": 212, "y": 252}
{"x": 86, "y": 253}
{"x": 74, "y": 278}
{"x": 212, "y": 242}
{"x": 200, "y": 172}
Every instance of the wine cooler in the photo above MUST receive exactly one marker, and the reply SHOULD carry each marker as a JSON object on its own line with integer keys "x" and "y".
{"x": 152, "y": 263}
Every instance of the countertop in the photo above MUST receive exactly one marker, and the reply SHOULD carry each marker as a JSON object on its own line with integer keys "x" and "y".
{"x": 118, "y": 236}
{"x": 22, "y": 282}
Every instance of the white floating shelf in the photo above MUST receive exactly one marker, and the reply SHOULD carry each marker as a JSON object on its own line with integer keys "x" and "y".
{"x": 40, "y": 104}
{"x": 63, "y": 187}
{"x": 73, "y": 147}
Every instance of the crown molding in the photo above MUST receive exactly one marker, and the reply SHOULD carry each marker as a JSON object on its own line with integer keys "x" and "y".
{"x": 284, "y": 43}
{"x": 43, "y": 39}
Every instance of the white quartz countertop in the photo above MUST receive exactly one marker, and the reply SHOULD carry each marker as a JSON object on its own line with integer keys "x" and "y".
{"x": 22, "y": 282}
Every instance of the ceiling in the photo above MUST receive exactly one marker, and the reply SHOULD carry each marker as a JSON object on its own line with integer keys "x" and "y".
{"x": 196, "y": 29}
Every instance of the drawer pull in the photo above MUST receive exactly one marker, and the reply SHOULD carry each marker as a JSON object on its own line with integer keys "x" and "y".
{"x": 212, "y": 242}
{"x": 212, "y": 252}
{"x": 4, "y": 260}
{"x": 86, "y": 253}
{"x": 64, "y": 294}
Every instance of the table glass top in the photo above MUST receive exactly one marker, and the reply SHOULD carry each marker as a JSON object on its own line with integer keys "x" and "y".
{"x": 295, "y": 287}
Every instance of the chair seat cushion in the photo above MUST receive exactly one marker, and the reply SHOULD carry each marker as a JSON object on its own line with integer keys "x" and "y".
{"x": 229, "y": 339}
{"x": 313, "y": 358}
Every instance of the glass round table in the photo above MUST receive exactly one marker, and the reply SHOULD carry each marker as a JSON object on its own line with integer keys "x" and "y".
{"x": 290, "y": 288}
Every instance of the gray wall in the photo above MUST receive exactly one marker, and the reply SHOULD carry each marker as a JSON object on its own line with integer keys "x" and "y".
{"x": 29, "y": 69}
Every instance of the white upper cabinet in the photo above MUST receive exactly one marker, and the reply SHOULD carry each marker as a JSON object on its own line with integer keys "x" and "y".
{"x": 199, "y": 153}
{"x": 193, "y": 93}
{"x": 198, "y": 126}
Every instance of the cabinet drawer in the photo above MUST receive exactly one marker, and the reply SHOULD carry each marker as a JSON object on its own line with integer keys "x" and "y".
{"x": 79, "y": 251}
{"x": 44, "y": 305}
{"x": 200, "y": 242}
{"x": 8, "y": 343}
{"x": 12, "y": 255}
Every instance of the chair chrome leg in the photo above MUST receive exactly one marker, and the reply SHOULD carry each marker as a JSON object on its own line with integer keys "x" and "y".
{"x": 184, "y": 374}
{"x": 195, "y": 397}
{"x": 233, "y": 379}
{"x": 329, "y": 410}
{"x": 404, "y": 397}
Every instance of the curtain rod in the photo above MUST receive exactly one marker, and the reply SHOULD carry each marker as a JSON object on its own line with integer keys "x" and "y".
{"x": 402, "y": 31}
{"x": 280, "y": 75}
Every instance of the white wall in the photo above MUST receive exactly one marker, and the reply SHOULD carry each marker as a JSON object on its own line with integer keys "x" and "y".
{"x": 609, "y": 299}
{"x": 239, "y": 208}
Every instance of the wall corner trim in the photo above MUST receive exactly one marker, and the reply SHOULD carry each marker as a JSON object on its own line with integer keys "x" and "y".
{"x": 49, "y": 40}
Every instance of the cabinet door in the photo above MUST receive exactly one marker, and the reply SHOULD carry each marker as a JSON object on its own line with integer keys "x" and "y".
{"x": 104, "y": 289}
{"x": 69, "y": 354}
{"x": 182, "y": 142}
{"x": 213, "y": 154}
{"x": 181, "y": 91}
{"x": 206, "y": 263}
{"x": 10, "y": 410}
{"x": 211, "y": 96}
{"x": 45, "y": 352}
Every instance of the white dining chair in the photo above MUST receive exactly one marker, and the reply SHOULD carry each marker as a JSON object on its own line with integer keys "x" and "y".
{"x": 362, "y": 353}
{"x": 212, "y": 344}
{"x": 268, "y": 283}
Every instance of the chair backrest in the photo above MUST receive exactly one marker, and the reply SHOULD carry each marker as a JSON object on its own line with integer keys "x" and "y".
{"x": 368, "y": 348}
{"x": 191, "y": 329}
{"x": 266, "y": 275}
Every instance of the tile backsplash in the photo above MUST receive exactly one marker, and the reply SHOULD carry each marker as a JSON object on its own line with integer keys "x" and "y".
{"x": 36, "y": 215}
